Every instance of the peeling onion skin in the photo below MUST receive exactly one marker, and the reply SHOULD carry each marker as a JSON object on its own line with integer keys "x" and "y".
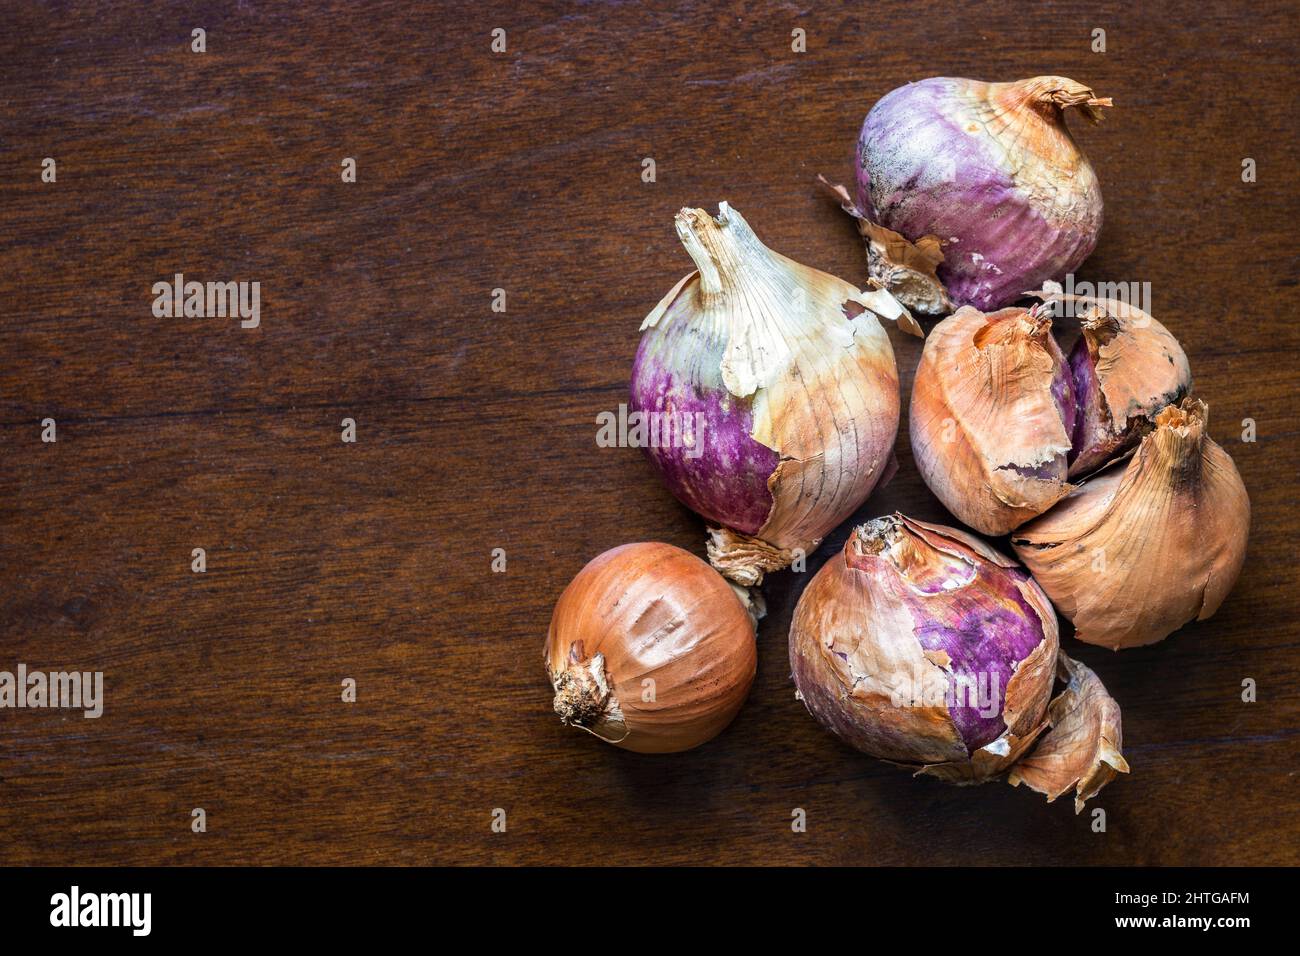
{"x": 793, "y": 382}
{"x": 1126, "y": 367}
{"x": 990, "y": 170}
{"x": 678, "y": 368}
{"x": 1082, "y": 750}
{"x": 896, "y": 617}
{"x": 1148, "y": 545}
{"x": 908, "y": 609}
{"x": 650, "y": 611}
{"x": 992, "y": 417}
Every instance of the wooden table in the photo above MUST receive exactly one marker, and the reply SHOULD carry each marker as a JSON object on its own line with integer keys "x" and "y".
{"x": 475, "y": 428}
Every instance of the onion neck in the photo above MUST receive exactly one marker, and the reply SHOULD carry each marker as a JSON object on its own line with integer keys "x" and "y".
{"x": 725, "y": 250}
{"x": 1049, "y": 96}
{"x": 1012, "y": 339}
{"x": 1014, "y": 327}
{"x": 923, "y": 566}
{"x": 1177, "y": 444}
{"x": 878, "y": 534}
{"x": 1099, "y": 327}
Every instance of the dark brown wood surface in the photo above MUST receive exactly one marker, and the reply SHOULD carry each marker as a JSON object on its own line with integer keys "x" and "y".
{"x": 476, "y": 430}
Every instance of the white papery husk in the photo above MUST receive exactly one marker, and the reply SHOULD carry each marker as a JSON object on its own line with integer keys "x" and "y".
{"x": 908, "y": 270}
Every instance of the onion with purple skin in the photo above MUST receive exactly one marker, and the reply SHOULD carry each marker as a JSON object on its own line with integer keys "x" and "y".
{"x": 988, "y": 171}
{"x": 1002, "y": 423}
{"x": 782, "y": 387}
{"x": 922, "y": 646}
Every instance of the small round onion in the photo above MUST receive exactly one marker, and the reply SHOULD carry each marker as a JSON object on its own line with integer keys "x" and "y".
{"x": 992, "y": 172}
{"x": 921, "y": 645}
{"x": 1126, "y": 368}
{"x": 650, "y": 649}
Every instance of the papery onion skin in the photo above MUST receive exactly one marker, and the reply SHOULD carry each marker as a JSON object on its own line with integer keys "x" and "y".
{"x": 795, "y": 385}
{"x": 992, "y": 171}
{"x": 1149, "y": 545}
{"x": 1082, "y": 750}
{"x": 896, "y": 617}
{"x": 678, "y": 369}
{"x": 650, "y": 611}
{"x": 992, "y": 417}
{"x": 1126, "y": 367}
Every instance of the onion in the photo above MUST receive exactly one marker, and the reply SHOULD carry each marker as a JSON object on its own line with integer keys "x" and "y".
{"x": 1125, "y": 367}
{"x": 987, "y": 170}
{"x": 1140, "y": 550}
{"x": 992, "y": 416}
{"x": 921, "y": 645}
{"x": 792, "y": 382}
{"x": 1002, "y": 423}
{"x": 650, "y": 649}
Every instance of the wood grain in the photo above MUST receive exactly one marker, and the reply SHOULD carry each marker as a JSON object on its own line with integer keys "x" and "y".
{"x": 521, "y": 171}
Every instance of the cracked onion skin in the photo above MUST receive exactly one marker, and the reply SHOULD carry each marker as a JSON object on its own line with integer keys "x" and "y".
{"x": 991, "y": 171}
{"x": 903, "y": 610}
{"x": 1003, "y": 424}
{"x": 654, "y": 613}
{"x": 1148, "y": 545}
{"x": 908, "y": 612}
{"x": 992, "y": 417}
{"x": 1126, "y": 367}
{"x": 793, "y": 380}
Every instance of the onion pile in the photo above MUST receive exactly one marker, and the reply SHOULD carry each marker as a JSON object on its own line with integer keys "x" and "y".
{"x": 1005, "y": 431}
{"x": 916, "y": 643}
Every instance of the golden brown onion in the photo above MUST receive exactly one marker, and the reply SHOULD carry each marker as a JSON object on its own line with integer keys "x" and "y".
{"x": 1147, "y": 546}
{"x": 992, "y": 416}
{"x": 650, "y": 649}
